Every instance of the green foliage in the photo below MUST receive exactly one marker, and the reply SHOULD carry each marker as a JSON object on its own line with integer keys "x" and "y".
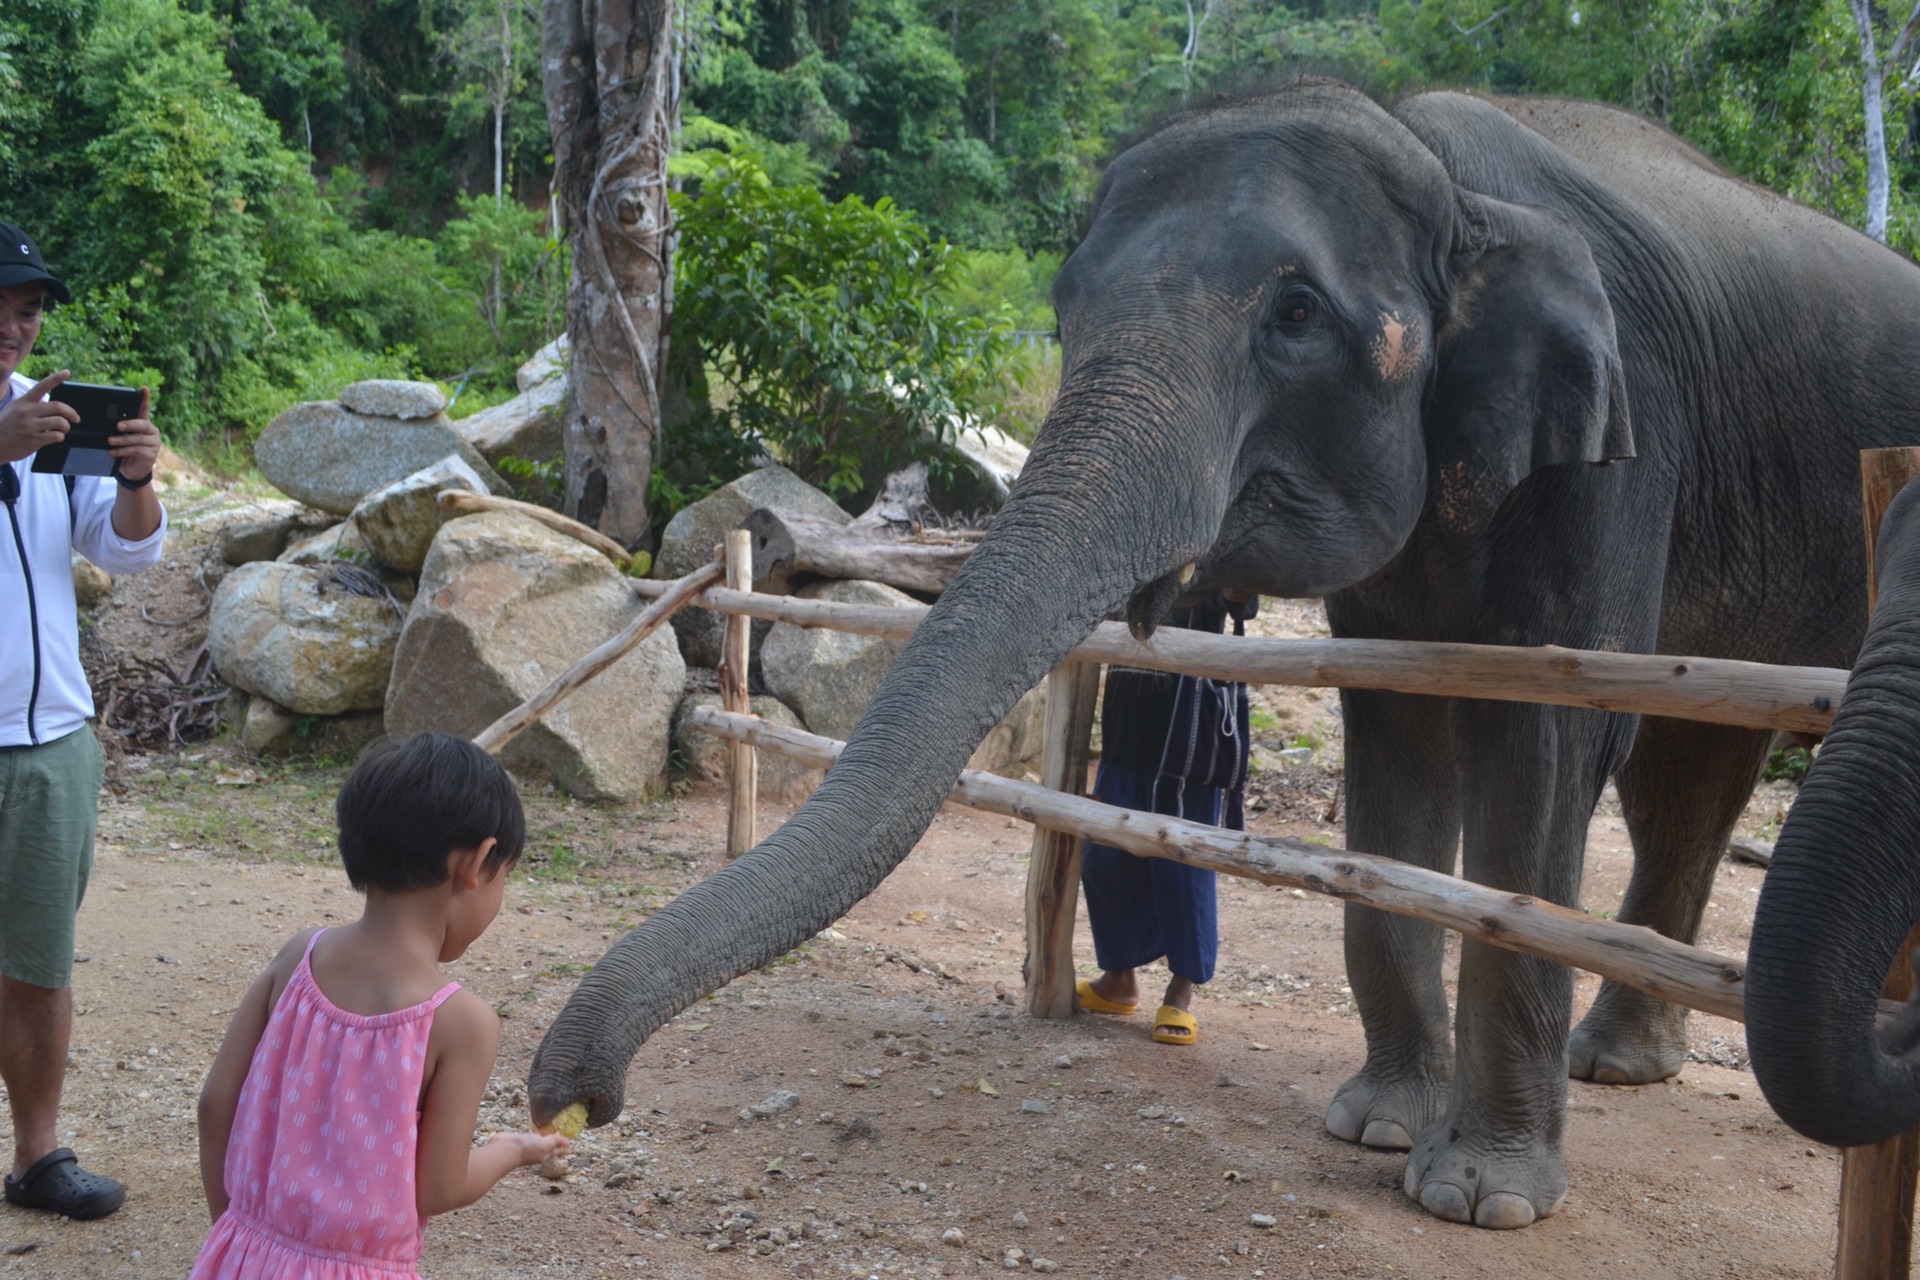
{"x": 818, "y": 331}
{"x": 1789, "y": 763}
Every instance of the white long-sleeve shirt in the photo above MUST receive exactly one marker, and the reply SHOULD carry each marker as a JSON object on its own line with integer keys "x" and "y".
{"x": 43, "y": 690}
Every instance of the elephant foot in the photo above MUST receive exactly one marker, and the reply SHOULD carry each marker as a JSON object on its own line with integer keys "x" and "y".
{"x": 1385, "y": 1112}
{"x": 1466, "y": 1175}
{"x": 1628, "y": 1038}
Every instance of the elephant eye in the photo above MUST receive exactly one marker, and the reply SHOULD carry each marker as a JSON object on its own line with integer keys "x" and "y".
{"x": 1296, "y": 311}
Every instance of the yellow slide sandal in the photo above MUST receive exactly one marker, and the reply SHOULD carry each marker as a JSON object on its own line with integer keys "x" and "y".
{"x": 1175, "y": 1026}
{"x": 1093, "y": 1002}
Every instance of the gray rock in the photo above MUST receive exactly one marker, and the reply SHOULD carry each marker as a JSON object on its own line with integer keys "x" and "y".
{"x": 989, "y": 459}
{"x": 329, "y": 457}
{"x": 775, "y": 1103}
{"x": 1037, "y": 1106}
{"x": 1745, "y": 849}
{"x": 266, "y": 723}
{"x": 1263, "y": 1220}
{"x": 708, "y": 761}
{"x": 244, "y": 541}
{"x": 546, "y": 365}
{"x": 91, "y": 583}
{"x": 270, "y": 729}
{"x": 292, "y": 634}
{"x": 505, "y": 605}
{"x": 398, "y": 522}
{"x": 527, "y": 426}
{"x": 830, "y": 676}
{"x": 342, "y": 541}
{"x": 391, "y": 398}
{"x": 1012, "y": 747}
{"x": 690, "y": 537}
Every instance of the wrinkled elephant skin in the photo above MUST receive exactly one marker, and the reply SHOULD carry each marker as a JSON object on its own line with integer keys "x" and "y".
{"x": 1506, "y": 372}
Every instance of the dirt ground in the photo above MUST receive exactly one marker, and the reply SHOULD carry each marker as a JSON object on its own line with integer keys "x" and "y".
{"x": 936, "y": 1128}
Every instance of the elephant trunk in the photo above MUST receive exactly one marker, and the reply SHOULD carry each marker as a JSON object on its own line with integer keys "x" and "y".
{"x": 1844, "y": 890}
{"x": 1073, "y": 542}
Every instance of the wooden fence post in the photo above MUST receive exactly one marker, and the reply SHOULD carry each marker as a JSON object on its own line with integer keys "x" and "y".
{"x": 1877, "y": 1182}
{"x": 743, "y": 794}
{"x": 1053, "y": 876}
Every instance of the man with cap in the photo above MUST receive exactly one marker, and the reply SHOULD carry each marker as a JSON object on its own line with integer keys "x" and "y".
{"x": 50, "y": 765}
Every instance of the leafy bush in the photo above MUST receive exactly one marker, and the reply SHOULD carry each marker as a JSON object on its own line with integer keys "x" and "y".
{"x": 823, "y": 333}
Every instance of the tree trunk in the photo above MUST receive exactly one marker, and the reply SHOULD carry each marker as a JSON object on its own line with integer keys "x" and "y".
{"x": 610, "y": 88}
{"x": 1872, "y": 80}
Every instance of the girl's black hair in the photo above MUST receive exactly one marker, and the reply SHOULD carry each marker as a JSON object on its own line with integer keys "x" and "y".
{"x": 410, "y": 802}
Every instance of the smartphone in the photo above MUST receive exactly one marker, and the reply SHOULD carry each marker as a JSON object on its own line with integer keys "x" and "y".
{"x": 84, "y": 451}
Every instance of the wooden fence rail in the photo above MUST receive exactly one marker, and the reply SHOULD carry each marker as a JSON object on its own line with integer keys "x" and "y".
{"x": 1754, "y": 695}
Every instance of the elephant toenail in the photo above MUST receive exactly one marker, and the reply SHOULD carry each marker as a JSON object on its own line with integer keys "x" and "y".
{"x": 1386, "y": 1135}
{"x": 1503, "y": 1211}
{"x": 1446, "y": 1201}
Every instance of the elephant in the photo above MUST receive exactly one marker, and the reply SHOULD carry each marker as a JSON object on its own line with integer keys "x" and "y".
{"x": 1843, "y": 889}
{"x": 1499, "y": 371}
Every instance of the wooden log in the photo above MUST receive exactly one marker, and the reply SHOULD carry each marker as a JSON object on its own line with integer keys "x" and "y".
{"x": 1632, "y": 955}
{"x": 1877, "y": 1183}
{"x": 509, "y": 726}
{"x": 785, "y": 543}
{"x": 1755, "y": 695}
{"x": 743, "y": 793}
{"x": 467, "y": 500}
{"x": 1053, "y": 873}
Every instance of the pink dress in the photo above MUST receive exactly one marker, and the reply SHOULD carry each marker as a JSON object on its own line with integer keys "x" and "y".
{"x": 320, "y": 1163}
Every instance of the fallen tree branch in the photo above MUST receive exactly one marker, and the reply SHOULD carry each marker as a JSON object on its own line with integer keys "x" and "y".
{"x": 1755, "y": 695}
{"x": 1631, "y": 955}
{"x": 497, "y": 735}
{"x": 468, "y": 501}
{"x": 784, "y": 543}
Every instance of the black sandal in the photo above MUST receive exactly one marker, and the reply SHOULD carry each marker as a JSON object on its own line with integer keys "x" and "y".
{"x": 56, "y": 1182}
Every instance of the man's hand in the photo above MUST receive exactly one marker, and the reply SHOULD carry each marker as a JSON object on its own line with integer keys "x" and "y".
{"x": 136, "y": 442}
{"x": 30, "y": 422}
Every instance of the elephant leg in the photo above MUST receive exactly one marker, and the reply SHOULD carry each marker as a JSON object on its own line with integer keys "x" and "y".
{"x": 1530, "y": 776}
{"x": 1682, "y": 789}
{"x": 1402, "y": 802}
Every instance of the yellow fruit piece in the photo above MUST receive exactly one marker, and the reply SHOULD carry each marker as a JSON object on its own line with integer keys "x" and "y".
{"x": 570, "y": 1123}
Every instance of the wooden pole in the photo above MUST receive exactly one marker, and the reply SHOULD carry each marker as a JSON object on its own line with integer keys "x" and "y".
{"x": 1877, "y": 1182}
{"x": 509, "y": 726}
{"x": 1755, "y": 695}
{"x": 467, "y": 501}
{"x": 1632, "y": 955}
{"x": 743, "y": 794}
{"x": 1053, "y": 874}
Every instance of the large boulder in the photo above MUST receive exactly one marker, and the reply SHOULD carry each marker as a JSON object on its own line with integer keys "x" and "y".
{"x": 527, "y": 426}
{"x": 504, "y": 606}
{"x": 342, "y": 541}
{"x": 303, "y": 637}
{"x": 1012, "y": 747}
{"x": 330, "y": 457}
{"x": 399, "y": 521}
{"x": 266, "y": 537}
{"x": 548, "y": 364}
{"x": 391, "y": 398}
{"x": 690, "y": 537}
{"x": 827, "y": 676}
{"x": 707, "y": 757}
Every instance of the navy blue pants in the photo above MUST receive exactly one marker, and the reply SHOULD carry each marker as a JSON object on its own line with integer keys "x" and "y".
{"x": 1141, "y": 909}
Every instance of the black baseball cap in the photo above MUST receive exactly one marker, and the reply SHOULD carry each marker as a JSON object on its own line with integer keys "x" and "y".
{"x": 21, "y": 263}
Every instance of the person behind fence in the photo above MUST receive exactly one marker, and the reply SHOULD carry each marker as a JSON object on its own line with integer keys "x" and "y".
{"x": 1176, "y": 745}
{"x": 339, "y": 1113}
{"x": 50, "y": 763}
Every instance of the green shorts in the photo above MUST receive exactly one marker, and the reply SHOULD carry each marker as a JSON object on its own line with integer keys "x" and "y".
{"x": 49, "y": 804}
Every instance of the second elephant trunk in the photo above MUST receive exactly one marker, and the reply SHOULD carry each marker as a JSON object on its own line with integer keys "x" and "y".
{"x": 1844, "y": 889}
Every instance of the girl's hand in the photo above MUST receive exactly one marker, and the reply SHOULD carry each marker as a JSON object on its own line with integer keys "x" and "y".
{"x": 531, "y": 1148}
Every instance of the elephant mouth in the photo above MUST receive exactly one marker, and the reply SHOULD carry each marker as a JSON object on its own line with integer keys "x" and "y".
{"x": 1149, "y": 604}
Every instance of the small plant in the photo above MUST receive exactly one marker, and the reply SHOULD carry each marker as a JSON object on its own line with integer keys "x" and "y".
{"x": 1789, "y": 763}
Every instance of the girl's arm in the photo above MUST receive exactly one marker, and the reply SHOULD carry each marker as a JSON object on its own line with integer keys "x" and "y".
{"x": 453, "y": 1172}
{"x": 220, "y": 1096}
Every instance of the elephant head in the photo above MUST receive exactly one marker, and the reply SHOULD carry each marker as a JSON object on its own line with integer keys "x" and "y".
{"x": 1287, "y": 334}
{"x": 1844, "y": 889}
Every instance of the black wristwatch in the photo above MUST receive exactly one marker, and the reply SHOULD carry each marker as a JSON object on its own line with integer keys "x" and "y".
{"x": 141, "y": 483}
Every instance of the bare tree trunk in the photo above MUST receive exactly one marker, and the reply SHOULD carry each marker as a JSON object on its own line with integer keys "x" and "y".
{"x": 611, "y": 91}
{"x": 1872, "y": 80}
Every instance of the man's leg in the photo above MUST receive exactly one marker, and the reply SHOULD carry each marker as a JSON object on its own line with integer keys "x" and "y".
{"x": 38, "y": 1022}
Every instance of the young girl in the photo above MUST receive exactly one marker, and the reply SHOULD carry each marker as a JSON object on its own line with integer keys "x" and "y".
{"x": 339, "y": 1113}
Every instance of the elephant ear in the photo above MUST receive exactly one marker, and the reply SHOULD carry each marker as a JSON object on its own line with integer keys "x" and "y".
{"x": 1527, "y": 367}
